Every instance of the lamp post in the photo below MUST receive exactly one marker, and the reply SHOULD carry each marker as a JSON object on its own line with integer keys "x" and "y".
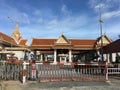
{"x": 101, "y": 21}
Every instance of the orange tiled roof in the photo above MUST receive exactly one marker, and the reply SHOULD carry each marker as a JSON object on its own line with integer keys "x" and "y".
{"x": 49, "y": 43}
{"x": 43, "y": 41}
{"x": 83, "y": 41}
{"x": 23, "y": 42}
{"x": 7, "y": 39}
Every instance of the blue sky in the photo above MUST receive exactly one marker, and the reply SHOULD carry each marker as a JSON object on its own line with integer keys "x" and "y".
{"x": 50, "y": 18}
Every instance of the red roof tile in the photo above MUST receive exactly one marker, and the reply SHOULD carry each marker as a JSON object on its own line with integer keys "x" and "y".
{"x": 43, "y": 41}
{"x": 7, "y": 38}
{"x": 23, "y": 42}
{"x": 82, "y": 41}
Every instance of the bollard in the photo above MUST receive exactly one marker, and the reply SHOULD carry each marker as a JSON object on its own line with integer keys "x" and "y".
{"x": 106, "y": 66}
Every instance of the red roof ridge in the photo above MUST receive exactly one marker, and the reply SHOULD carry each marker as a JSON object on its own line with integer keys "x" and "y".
{"x": 44, "y": 38}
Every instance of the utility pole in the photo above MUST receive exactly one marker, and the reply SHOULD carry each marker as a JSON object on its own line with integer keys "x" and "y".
{"x": 101, "y": 21}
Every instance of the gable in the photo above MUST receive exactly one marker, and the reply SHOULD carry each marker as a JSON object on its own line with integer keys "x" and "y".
{"x": 62, "y": 39}
{"x": 105, "y": 40}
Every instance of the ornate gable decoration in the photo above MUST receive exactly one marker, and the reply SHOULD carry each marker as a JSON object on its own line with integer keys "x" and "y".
{"x": 62, "y": 40}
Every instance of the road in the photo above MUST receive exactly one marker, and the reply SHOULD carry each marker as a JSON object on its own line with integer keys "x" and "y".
{"x": 34, "y": 85}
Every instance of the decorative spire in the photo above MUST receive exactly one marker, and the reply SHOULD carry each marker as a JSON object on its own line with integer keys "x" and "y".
{"x": 16, "y": 34}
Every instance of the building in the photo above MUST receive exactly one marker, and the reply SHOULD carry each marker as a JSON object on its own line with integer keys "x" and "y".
{"x": 60, "y": 50}
{"x": 13, "y": 45}
{"x": 65, "y": 50}
{"x": 112, "y": 52}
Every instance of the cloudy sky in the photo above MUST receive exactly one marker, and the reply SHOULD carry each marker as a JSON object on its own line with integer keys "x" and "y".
{"x": 50, "y": 18}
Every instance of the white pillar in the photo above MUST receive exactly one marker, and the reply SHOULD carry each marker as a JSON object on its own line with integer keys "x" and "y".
{"x": 45, "y": 57}
{"x": 65, "y": 59}
{"x": 70, "y": 55}
{"x": 113, "y": 57}
{"x": 105, "y": 56}
{"x": 55, "y": 56}
{"x": 24, "y": 72}
{"x": 60, "y": 59}
{"x": 41, "y": 57}
{"x": 108, "y": 55}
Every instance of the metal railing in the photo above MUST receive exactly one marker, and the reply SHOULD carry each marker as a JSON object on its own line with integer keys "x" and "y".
{"x": 11, "y": 71}
{"x": 74, "y": 72}
{"x": 114, "y": 71}
{"x": 52, "y": 72}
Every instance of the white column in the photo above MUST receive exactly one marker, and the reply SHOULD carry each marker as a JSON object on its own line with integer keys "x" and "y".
{"x": 105, "y": 56}
{"x": 55, "y": 56}
{"x": 45, "y": 57}
{"x": 41, "y": 57}
{"x": 113, "y": 57}
{"x": 108, "y": 55}
{"x": 70, "y": 55}
{"x": 60, "y": 59}
{"x": 65, "y": 59}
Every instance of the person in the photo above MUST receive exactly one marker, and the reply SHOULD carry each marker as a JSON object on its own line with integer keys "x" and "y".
{"x": 31, "y": 56}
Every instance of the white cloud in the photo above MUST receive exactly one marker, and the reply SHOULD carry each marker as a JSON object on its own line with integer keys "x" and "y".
{"x": 113, "y": 30}
{"x": 111, "y": 14}
{"x": 40, "y": 20}
{"x": 106, "y": 5}
{"x": 15, "y": 15}
{"x": 53, "y": 22}
{"x": 65, "y": 10}
{"x": 69, "y": 23}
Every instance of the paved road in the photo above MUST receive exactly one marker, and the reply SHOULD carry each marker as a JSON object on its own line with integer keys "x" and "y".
{"x": 73, "y": 86}
{"x": 33, "y": 85}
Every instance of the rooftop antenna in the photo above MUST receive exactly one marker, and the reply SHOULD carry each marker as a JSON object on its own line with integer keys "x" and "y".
{"x": 101, "y": 21}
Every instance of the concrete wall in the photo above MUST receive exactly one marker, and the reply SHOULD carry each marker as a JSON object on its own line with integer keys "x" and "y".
{"x": 19, "y": 54}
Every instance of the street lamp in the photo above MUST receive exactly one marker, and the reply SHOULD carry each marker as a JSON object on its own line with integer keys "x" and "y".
{"x": 101, "y": 21}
